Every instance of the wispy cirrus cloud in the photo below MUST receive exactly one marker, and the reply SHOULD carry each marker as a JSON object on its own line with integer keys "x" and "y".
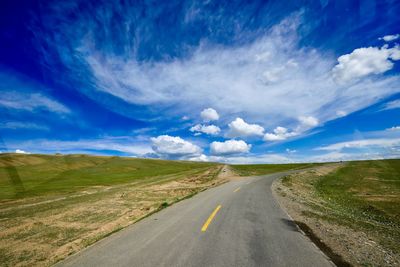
{"x": 391, "y": 105}
{"x": 269, "y": 79}
{"x": 364, "y": 143}
{"x": 122, "y": 144}
{"x": 31, "y": 102}
{"x": 14, "y": 125}
{"x": 20, "y": 93}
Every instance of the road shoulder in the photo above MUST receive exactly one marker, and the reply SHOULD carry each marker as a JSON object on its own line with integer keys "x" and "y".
{"x": 343, "y": 245}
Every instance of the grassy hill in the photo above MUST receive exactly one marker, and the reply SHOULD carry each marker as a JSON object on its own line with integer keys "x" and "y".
{"x": 36, "y": 175}
{"x": 54, "y": 205}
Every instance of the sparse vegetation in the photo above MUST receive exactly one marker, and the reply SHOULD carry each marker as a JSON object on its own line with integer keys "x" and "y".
{"x": 354, "y": 207}
{"x": 366, "y": 194}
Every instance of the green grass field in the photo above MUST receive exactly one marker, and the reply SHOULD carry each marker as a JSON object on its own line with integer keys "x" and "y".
{"x": 37, "y": 175}
{"x": 366, "y": 195}
{"x": 262, "y": 169}
{"x": 54, "y": 205}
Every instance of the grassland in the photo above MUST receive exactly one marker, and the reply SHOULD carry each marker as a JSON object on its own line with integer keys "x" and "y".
{"x": 354, "y": 207}
{"x": 262, "y": 169}
{"x": 53, "y": 206}
{"x": 37, "y": 175}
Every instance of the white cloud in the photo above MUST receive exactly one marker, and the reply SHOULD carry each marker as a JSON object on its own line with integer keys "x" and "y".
{"x": 231, "y": 79}
{"x": 120, "y": 143}
{"x": 22, "y": 125}
{"x": 394, "y": 128}
{"x": 207, "y": 129}
{"x": 279, "y": 133}
{"x": 372, "y": 142}
{"x": 31, "y": 102}
{"x": 392, "y": 105}
{"x": 209, "y": 114}
{"x": 341, "y": 113}
{"x": 389, "y": 38}
{"x": 171, "y": 146}
{"x": 202, "y": 158}
{"x": 309, "y": 121}
{"x": 290, "y": 151}
{"x": 229, "y": 147}
{"x": 240, "y": 128}
{"x": 365, "y": 61}
{"x": 19, "y": 151}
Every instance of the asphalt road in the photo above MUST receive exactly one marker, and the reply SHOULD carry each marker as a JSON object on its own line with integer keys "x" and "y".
{"x": 248, "y": 229}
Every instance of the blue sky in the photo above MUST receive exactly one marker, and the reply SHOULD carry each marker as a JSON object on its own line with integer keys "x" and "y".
{"x": 228, "y": 81}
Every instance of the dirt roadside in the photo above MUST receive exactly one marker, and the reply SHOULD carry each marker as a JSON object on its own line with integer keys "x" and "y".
{"x": 344, "y": 245}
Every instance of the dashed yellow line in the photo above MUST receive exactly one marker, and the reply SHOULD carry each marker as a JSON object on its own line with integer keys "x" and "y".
{"x": 207, "y": 223}
{"x": 237, "y": 189}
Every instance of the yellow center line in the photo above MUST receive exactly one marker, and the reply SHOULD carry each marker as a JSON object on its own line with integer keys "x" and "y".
{"x": 237, "y": 189}
{"x": 205, "y": 226}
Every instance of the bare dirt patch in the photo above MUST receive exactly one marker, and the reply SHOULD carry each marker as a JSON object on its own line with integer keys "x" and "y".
{"x": 228, "y": 174}
{"x": 350, "y": 245}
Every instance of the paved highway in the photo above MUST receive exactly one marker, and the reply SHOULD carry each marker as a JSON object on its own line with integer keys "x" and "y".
{"x": 236, "y": 224}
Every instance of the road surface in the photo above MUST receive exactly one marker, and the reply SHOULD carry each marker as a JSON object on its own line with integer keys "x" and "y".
{"x": 235, "y": 224}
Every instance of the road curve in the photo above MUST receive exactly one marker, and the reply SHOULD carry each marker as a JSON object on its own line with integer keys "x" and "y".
{"x": 248, "y": 229}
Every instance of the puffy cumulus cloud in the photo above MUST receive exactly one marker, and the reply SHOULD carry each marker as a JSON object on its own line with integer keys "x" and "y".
{"x": 371, "y": 142}
{"x": 308, "y": 121}
{"x": 389, "y": 38}
{"x": 365, "y": 61}
{"x": 207, "y": 129}
{"x": 279, "y": 133}
{"x": 209, "y": 114}
{"x": 20, "y": 151}
{"x": 240, "y": 128}
{"x": 229, "y": 147}
{"x": 171, "y": 146}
